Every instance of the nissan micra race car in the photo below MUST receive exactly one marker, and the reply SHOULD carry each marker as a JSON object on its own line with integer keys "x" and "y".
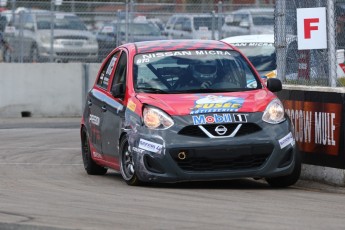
{"x": 186, "y": 110}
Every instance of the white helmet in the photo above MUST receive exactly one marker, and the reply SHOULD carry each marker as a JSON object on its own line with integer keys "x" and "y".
{"x": 205, "y": 71}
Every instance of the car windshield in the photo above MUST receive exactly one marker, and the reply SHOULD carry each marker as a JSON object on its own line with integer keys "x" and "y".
{"x": 263, "y": 20}
{"x": 189, "y": 71}
{"x": 261, "y": 55}
{"x": 60, "y": 22}
{"x": 137, "y": 29}
{"x": 205, "y": 22}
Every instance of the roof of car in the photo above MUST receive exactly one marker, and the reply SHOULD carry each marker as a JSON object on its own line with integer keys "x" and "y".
{"x": 254, "y": 10}
{"x": 171, "y": 45}
{"x": 258, "y": 38}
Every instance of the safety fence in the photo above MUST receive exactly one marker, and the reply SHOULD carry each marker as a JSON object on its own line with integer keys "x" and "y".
{"x": 109, "y": 24}
{"x": 316, "y": 66}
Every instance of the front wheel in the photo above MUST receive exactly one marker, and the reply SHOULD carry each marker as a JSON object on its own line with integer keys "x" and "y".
{"x": 288, "y": 180}
{"x": 127, "y": 164}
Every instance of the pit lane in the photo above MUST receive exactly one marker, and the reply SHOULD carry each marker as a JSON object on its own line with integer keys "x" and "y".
{"x": 43, "y": 185}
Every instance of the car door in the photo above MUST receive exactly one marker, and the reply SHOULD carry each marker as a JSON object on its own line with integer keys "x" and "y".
{"x": 114, "y": 112}
{"x": 96, "y": 103}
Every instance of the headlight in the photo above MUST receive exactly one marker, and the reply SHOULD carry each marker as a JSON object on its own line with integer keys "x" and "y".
{"x": 156, "y": 118}
{"x": 274, "y": 112}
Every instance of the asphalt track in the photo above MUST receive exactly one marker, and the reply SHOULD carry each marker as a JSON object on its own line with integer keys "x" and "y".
{"x": 43, "y": 185}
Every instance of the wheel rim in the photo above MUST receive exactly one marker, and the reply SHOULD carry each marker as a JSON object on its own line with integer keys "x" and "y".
{"x": 128, "y": 170}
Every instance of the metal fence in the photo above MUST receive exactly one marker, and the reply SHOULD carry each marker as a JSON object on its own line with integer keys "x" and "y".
{"x": 316, "y": 66}
{"x": 109, "y": 24}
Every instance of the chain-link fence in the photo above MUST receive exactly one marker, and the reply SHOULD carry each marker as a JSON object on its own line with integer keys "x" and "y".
{"x": 88, "y": 31}
{"x": 310, "y": 66}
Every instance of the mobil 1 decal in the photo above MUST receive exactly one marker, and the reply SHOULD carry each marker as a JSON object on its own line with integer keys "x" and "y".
{"x": 216, "y": 104}
{"x": 219, "y": 118}
{"x": 317, "y": 125}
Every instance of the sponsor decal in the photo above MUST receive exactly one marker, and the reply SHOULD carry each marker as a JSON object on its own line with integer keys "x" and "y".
{"x": 131, "y": 105}
{"x": 217, "y": 104}
{"x": 253, "y": 44}
{"x": 219, "y": 119}
{"x": 145, "y": 58}
{"x": 285, "y": 141}
{"x": 316, "y": 125}
{"x": 150, "y": 146}
{"x": 94, "y": 120}
{"x": 135, "y": 149}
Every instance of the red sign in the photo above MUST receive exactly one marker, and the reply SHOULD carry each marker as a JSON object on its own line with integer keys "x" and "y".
{"x": 308, "y": 26}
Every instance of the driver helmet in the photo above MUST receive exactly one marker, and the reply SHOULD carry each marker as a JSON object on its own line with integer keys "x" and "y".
{"x": 205, "y": 71}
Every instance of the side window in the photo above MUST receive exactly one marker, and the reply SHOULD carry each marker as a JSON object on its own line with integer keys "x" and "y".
{"x": 179, "y": 23}
{"x": 121, "y": 70}
{"x": 103, "y": 79}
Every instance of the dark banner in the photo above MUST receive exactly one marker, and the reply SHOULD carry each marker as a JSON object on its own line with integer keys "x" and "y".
{"x": 318, "y": 119}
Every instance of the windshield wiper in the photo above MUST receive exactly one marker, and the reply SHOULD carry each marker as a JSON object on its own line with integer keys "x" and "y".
{"x": 151, "y": 90}
{"x": 205, "y": 91}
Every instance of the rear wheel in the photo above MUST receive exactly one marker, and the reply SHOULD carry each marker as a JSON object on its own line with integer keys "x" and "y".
{"x": 89, "y": 164}
{"x": 288, "y": 180}
{"x": 127, "y": 164}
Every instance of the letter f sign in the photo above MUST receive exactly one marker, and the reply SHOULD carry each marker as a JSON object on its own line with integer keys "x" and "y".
{"x": 311, "y": 28}
{"x": 308, "y": 26}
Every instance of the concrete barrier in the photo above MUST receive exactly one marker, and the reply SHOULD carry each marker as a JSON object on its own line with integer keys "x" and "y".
{"x": 44, "y": 90}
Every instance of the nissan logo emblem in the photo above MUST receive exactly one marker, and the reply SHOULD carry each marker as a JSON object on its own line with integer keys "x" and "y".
{"x": 221, "y": 130}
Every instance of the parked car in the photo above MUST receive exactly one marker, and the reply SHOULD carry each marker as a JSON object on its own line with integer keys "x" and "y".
{"x": 30, "y": 37}
{"x": 181, "y": 110}
{"x": 113, "y": 34}
{"x": 249, "y": 21}
{"x": 192, "y": 26}
{"x": 260, "y": 50}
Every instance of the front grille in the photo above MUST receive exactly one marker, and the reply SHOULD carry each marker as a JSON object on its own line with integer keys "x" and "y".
{"x": 218, "y": 159}
{"x": 245, "y": 129}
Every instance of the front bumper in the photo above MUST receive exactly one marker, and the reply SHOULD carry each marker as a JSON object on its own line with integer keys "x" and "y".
{"x": 180, "y": 155}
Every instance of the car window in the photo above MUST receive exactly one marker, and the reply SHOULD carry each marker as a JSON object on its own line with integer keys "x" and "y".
{"x": 187, "y": 71}
{"x": 263, "y": 20}
{"x": 238, "y": 18}
{"x": 106, "y": 72}
{"x": 205, "y": 22}
{"x": 65, "y": 22}
{"x": 179, "y": 23}
{"x": 121, "y": 70}
{"x": 170, "y": 22}
{"x": 261, "y": 54}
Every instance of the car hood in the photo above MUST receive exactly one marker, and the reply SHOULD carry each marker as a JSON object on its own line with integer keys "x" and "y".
{"x": 68, "y": 34}
{"x": 185, "y": 104}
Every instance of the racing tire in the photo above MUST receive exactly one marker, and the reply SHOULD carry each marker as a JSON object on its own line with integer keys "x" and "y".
{"x": 89, "y": 164}
{"x": 127, "y": 167}
{"x": 288, "y": 180}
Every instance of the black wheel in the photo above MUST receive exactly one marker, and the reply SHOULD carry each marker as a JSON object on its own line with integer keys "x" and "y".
{"x": 34, "y": 54}
{"x": 127, "y": 164}
{"x": 288, "y": 180}
{"x": 89, "y": 164}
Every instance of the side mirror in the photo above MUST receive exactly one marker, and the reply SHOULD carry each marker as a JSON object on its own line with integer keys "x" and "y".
{"x": 118, "y": 90}
{"x": 274, "y": 84}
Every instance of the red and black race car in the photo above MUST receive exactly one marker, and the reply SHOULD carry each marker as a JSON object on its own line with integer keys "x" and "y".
{"x": 186, "y": 110}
